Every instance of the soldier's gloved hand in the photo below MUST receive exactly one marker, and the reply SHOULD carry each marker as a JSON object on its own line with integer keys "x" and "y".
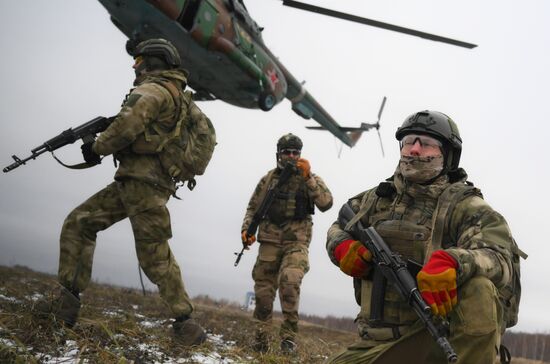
{"x": 247, "y": 239}
{"x": 353, "y": 258}
{"x": 437, "y": 282}
{"x": 91, "y": 157}
{"x": 304, "y": 166}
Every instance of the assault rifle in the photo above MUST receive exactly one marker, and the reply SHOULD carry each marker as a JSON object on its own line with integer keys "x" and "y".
{"x": 395, "y": 271}
{"x": 288, "y": 170}
{"x": 86, "y": 132}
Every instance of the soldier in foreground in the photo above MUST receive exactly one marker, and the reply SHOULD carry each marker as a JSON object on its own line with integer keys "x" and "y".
{"x": 468, "y": 262}
{"x": 284, "y": 237}
{"x": 143, "y": 184}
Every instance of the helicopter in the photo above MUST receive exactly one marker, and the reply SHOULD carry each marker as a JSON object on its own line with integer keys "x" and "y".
{"x": 222, "y": 48}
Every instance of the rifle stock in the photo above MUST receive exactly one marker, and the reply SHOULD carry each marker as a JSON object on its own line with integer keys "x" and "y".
{"x": 394, "y": 269}
{"x": 87, "y": 130}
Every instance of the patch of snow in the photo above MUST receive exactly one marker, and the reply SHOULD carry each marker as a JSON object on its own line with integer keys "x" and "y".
{"x": 35, "y": 297}
{"x": 150, "y": 324}
{"x": 10, "y": 299}
{"x": 7, "y": 342}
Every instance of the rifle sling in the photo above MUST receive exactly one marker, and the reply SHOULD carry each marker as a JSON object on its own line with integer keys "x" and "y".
{"x": 73, "y": 166}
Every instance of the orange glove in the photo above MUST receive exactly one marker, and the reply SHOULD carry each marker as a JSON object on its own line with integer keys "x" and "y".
{"x": 304, "y": 166}
{"x": 437, "y": 282}
{"x": 353, "y": 258}
{"x": 247, "y": 239}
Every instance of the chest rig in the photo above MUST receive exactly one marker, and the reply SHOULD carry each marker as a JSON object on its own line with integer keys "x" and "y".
{"x": 292, "y": 202}
{"x": 413, "y": 225}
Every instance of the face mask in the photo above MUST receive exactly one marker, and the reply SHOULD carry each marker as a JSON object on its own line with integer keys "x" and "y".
{"x": 420, "y": 169}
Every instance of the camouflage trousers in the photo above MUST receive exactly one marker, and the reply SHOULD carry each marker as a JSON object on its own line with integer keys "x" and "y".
{"x": 280, "y": 267}
{"x": 145, "y": 206}
{"x": 475, "y": 333}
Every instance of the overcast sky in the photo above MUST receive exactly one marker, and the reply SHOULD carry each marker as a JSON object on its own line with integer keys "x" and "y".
{"x": 63, "y": 63}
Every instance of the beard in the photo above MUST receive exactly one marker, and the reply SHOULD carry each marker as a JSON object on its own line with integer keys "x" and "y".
{"x": 420, "y": 169}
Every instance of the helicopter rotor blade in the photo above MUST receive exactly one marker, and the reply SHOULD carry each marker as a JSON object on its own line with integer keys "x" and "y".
{"x": 376, "y": 23}
{"x": 381, "y": 146}
{"x": 381, "y": 108}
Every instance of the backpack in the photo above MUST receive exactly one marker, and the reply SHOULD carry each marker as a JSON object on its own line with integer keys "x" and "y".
{"x": 186, "y": 150}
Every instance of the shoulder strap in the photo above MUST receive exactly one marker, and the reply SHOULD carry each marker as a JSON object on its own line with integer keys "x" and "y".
{"x": 367, "y": 204}
{"x": 179, "y": 98}
{"x": 446, "y": 203}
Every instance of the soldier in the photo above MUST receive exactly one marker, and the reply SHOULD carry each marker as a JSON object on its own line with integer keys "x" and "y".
{"x": 284, "y": 237}
{"x": 429, "y": 214}
{"x": 140, "y": 191}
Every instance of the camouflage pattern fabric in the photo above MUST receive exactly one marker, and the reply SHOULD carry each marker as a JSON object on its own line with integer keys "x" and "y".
{"x": 476, "y": 323}
{"x": 145, "y": 206}
{"x": 146, "y": 104}
{"x": 280, "y": 267}
{"x": 479, "y": 239}
{"x": 140, "y": 192}
{"x": 283, "y": 254}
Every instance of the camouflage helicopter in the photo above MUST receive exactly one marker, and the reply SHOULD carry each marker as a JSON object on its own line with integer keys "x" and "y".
{"x": 222, "y": 48}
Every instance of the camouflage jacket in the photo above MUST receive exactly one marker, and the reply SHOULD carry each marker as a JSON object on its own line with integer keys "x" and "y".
{"x": 478, "y": 237}
{"x": 293, "y": 230}
{"x": 147, "y": 103}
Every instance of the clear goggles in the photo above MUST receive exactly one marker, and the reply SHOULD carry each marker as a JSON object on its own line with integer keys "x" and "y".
{"x": 425, "y": 141}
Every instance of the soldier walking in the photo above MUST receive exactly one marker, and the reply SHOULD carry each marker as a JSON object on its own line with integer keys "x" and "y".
{"x": 430, "y": 215}
{"x": 140, "y": 191}
{"x": 284, "y": 237}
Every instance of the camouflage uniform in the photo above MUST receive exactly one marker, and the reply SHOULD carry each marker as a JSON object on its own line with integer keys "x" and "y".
{"x": 284, "y": 241}
{"x": 140, "y": 192}
{"x": 477, "y": 237}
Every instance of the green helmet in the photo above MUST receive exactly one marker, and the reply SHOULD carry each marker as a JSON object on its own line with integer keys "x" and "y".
{"x": 289, "y": 141}
{"x": 160, "y": 48}
{"x": 439, "y": 126}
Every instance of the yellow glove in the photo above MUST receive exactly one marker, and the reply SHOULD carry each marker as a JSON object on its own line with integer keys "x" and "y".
{"x": 353, "y": 257}
{"x": 304, "y": 166}
{"x": 247, "y": 239}
{"x": 437, "y": 282}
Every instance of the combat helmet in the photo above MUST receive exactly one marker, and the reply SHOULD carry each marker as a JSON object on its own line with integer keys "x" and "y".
{"x": 289, "y": 141}
{"x": 158, "y": 47}
{"x": 439, "y": 126}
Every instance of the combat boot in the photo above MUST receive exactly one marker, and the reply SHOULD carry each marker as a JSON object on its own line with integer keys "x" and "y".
{"x": 288, "y": 346}
{"x": 188, "y": 332}
{"x": 261, "y": 342}
{"x": 63, "y": 306}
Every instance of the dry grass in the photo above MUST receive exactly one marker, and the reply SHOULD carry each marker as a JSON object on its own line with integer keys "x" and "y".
{"x": 119, "y": 325}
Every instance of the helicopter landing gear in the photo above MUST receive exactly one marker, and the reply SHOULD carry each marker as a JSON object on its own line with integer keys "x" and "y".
{"x": 266, "y": 101}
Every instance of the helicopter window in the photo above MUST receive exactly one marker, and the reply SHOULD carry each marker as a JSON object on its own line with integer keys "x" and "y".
{"x": 187, "y": 16}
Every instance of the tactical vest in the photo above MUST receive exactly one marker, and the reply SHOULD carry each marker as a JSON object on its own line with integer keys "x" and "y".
{"x": 292, "y": 202}
{"x": 415, "y": 231}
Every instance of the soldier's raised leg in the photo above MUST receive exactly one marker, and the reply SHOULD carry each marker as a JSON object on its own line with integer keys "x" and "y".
{"x": 77, "y": 245}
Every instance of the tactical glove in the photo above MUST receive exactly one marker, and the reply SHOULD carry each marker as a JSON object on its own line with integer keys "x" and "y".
{"x": 247, "y": 239}
{"x": 305, "y": 167}
{"x": 437, "y": 282}
{"x": 91, "y": 157}
{"x": 353, "y": 258}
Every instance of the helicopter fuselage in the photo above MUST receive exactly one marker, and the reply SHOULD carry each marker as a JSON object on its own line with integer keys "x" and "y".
{"x": 220, "y": 46}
